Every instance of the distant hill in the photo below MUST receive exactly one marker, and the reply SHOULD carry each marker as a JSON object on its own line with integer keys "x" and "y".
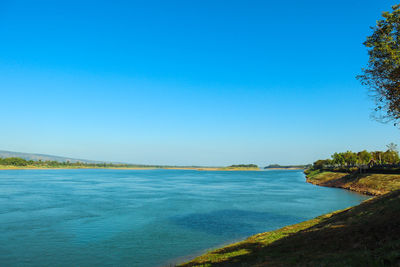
{"x": 43, "y": 157}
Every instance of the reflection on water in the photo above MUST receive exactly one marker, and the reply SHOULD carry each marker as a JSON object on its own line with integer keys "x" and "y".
{"x": 146, "y": 218}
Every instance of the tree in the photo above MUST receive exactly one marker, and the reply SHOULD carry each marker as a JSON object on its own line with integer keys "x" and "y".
{"x": 390, "y": 157}
{"x": 382, "y": 74}
{"x": 14, "y": 161}
{"x": 350, "y": 158}
{"x": 377, "y": 156}
{"x": 392, "y": 147}
{"x": 320, "y": 164}
{"x": 364, "y": 157}
{"x": 338, "y": 159}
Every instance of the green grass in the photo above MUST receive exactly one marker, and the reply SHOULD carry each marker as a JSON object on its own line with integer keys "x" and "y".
{"x": 365, "y": 235}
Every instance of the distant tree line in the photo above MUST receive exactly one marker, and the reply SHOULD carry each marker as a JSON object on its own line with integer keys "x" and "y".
{"x": 352, "y": 161}
{"x": 244, "y": 166}
{"x": 272, "y": 166}
{"x": 20, "y": 162}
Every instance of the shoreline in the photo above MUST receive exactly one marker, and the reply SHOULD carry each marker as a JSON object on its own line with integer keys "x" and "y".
{"x": 72, "y": 168}
{"x": 294, "y": 168}
{"x": 367, "y": 192}
{"x": 372, "y": 184}
{"x": 365, "y": 234}
{"x": 6, "y": 168}
{"x": 238, "y": 255}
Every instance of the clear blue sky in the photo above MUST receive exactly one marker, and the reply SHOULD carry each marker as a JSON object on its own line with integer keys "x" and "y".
{"x": 187, "y": 82}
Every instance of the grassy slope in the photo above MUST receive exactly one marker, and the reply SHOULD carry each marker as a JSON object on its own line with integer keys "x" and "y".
{"x": 372, "y": 184}
{"x": 365, "y": 235}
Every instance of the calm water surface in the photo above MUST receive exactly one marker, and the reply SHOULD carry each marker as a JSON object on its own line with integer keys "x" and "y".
{"x": 149, "y": 217}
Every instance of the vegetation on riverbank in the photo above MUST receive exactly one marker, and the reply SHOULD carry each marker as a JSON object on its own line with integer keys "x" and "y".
{"x": 15, "y": 162}
{"x": 372, "y": 173}
{"x": 350, "y": 161}
{"x": 366, "y": 183}
{"x": 45, "y": 167}
{"x": 286, "y": 167}
{"x": 364, "y": 235}
{"x": 240, "y": 167}
{"x": 20, "y": 163}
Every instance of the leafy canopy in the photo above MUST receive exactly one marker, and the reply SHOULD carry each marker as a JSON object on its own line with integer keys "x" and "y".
{"x": 349, "y": 158}
{"x": 382, "y": 74}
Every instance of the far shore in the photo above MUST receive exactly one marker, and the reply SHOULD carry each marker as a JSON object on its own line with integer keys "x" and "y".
{"x": 291, "y": 168}
{"x": 128, "y": 168}
{"x": 3, "y": 168}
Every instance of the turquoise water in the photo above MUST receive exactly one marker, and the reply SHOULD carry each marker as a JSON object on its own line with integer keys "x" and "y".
{"x": 149, "y": 217}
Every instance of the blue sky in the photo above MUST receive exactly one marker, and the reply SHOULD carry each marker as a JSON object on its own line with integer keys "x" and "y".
{"x": 187, "y": 82}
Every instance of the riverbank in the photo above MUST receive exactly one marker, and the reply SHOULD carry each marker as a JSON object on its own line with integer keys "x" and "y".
{"x": 69, "y": 168}
{"x": 367, "y": 183}
{"x": 283, "y": 169}
{"x": 128, "y": 168}
{"x": 238, "y": 169}
{"x": 364, "y": 235}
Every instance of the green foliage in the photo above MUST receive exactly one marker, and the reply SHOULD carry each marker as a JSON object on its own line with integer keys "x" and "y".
{"x": 338, "y": 159}
{"x": 14, "y": 162}
{"x": 244, "y": 166}
{"x": 350, "y": 159}
{"x": 364, "y": 157}
{"x": 382, "y": 74}
{"x": 22, "y": 163}
{"x": 19, "y": 162}
{"x": 311, "y": 172}
{"x": 319, "y": 164}
{"x": 390, "y": 157}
